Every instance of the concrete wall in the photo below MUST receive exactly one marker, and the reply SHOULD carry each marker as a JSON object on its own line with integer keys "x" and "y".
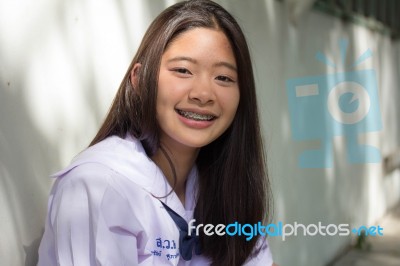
{"x": 356, "y": 194}
{"x": 61, "y": 63}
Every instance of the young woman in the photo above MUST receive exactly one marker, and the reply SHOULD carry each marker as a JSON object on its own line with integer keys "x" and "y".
{"x": 180, "y": 143}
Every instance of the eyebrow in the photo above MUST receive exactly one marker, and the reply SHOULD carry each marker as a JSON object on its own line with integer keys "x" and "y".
{"x": 183, "y": 58}
{"x": 226, "y": 64}
{"x": 194, "y": 61}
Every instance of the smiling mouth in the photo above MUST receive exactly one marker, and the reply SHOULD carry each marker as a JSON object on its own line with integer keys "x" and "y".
{"x": 195, "y": 116}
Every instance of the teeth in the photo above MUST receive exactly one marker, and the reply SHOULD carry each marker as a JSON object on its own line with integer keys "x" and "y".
{"x": 196, "y": 116}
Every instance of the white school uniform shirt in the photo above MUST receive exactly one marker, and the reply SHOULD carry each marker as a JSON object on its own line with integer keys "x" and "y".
{"x": 103, "y": 210}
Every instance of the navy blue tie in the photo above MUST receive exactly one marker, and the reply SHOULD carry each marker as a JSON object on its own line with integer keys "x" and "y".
{"x": 186, "y": 242}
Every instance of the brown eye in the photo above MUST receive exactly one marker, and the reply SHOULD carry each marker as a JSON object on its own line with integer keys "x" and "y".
{"x": 182, "y": 71}
{"x": 224, "y": 79}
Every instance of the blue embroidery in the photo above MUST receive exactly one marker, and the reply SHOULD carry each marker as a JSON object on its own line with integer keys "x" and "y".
{"x": 159, "y": 242}
{"x": 165, "y": 244}
{"x": 174, "y": 256}
{"x": 156, "y": 253}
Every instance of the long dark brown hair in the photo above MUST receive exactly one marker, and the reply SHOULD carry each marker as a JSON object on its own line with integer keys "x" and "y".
{"x": 233, "y": 181}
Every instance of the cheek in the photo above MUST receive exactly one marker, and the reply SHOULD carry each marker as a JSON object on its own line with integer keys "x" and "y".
{"x": 170, "y": 90}
{"x": 165, "y": 92}
{"x": 230, "y": 102}
{"x": 162, "y": 88}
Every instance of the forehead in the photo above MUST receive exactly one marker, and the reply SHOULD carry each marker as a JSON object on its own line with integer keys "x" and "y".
{"x": 201, "y": 43}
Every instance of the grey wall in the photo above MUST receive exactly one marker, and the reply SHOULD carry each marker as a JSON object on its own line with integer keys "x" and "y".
{"x": 61, "y": 63}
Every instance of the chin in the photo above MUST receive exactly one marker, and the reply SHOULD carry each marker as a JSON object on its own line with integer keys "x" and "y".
{"x": 196, "y": 143}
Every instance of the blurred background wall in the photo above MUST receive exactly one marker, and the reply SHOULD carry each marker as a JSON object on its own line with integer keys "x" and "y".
{"x": 61, "y": 63}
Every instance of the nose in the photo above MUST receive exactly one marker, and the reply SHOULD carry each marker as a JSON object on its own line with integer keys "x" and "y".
{"x": 202, "y": 91}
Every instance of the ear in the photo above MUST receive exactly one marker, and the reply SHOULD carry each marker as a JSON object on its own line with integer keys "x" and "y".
{"x": 135, "y": 75}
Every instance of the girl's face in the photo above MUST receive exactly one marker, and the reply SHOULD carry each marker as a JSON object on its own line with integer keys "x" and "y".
{"x": 198, "y": 91}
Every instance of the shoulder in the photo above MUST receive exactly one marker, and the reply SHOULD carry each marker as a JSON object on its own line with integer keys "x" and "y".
{"x": 80, "y": 188}
{"x": 113, "y": 156}
{"x": 89, "y": 175}
{"x": 113, "y": 172}
{"x": 93, "y": 190}
{"x": 94, "y": 180}
{"x": 96, "y": 164}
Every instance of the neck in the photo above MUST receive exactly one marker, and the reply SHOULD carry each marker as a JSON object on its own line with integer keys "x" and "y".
{"x": 182, "y": 159}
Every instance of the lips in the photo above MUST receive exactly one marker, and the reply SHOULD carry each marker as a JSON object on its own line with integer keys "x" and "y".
{"x": 195, "y": 116}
